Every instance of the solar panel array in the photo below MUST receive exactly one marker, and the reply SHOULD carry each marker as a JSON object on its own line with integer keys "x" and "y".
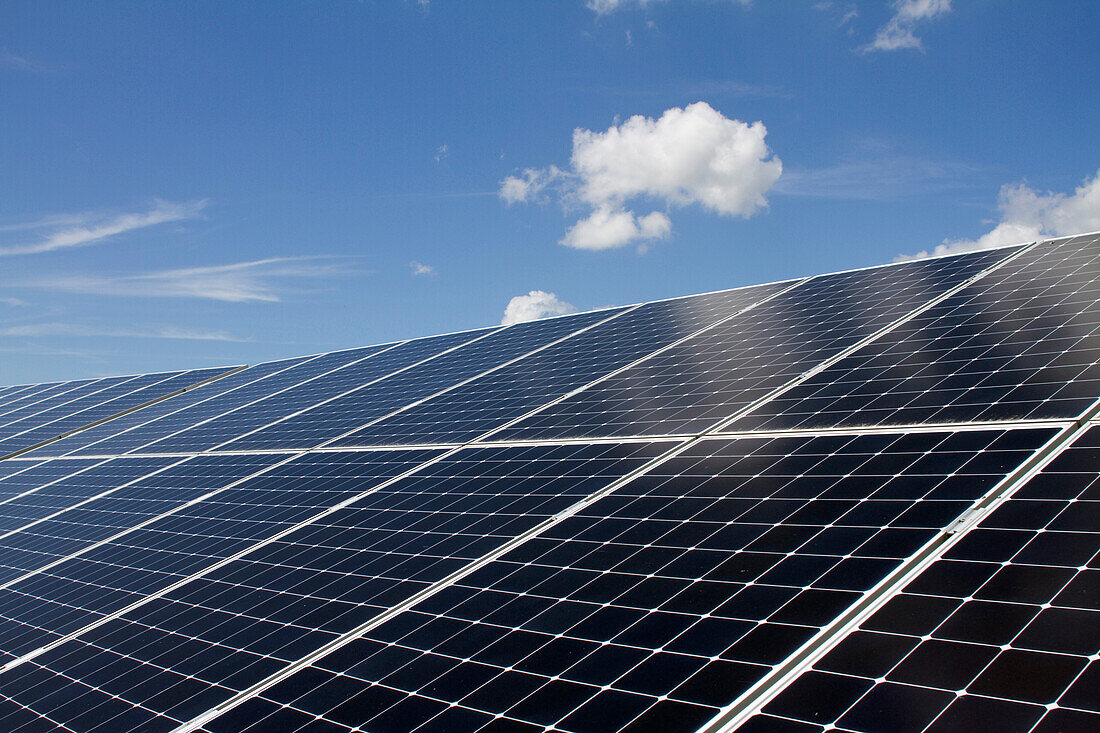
{"x": 863, "y": 501}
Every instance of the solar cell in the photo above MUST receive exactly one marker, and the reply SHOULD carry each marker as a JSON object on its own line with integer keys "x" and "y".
{"x": 1021, "y": 343}
{"x": 41, "y": 392}
{"x": 340, "y": 415}
{"x": 271, "y": 407}
{"x": 211, "y": 636}
{"x": 501, "y": 396}
{"x": 39, "y": 410}
{"x": 657, "y": 605}
{"x": 1002, "y": 633}
{"x": 88, "y": 442}
{"x": 694, "y": 385}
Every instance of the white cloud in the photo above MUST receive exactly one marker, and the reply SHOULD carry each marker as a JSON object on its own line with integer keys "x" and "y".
{"x": 419, "y": 268}
{"x": 529, "y": 185}
{"x": 1027, "y": 215}
{"x": 898, "y": 31}
{"x": 607, "y": 228}
{"x": 533, "y": 306}
{"x": 876, "y": 177}
{"x": 693, "y": 155}
{"x": 239, "y": 282}
{"x": 18, "y": 63}
{"x": 602, "y": 7}
{"x": 85, "y": 230}
{"x": 441, "y": 153}
{"x": 14, "y": 302}
{"x": 154, "y": 332}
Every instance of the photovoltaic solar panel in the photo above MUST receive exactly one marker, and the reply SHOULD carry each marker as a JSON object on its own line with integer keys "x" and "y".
{"x": 92, "y": 440}
{"x": 1001, "y": 634}
{"x": 493, "y": 400}
{"x": 134, "y": 393}
{"x": 336, "y": 417}
{"x": 550, "y": 527}
{"x": 190, "y": 648}
{"x": 656, "y": 606}
{"x": 1022, "y": 343}
{"x": 227, "y": 426}
{"x": 694, "y": 385}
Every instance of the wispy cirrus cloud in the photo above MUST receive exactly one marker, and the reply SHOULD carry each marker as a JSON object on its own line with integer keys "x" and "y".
{"x": 239, "y": 282}
{"x": 18, "y": 62}
{"x": 898, "y": 34}
{"x": 878, "y": 178}
{"x": 82, "y": 230}
{"x": 146, "y": 332}
{"x": 419, "y": 269}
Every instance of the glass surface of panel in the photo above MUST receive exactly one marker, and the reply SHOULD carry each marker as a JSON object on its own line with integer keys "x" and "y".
{"x": 655, "y": 606}
{"x": 336, "y": 417}
{"x": 231, "y": 425}
{"x": 42, "y": 410}
{"x": 708, "y": 378}
{"x": 492, "y": 400}
{"x": 193, "y": 647}
{"x": 1021, "y": 343}
{"x": 124, "y": 430}
{"x": 1002, "y": 633}
{"x": 41, "y": 608}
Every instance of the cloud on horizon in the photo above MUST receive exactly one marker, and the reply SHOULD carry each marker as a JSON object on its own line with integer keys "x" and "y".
{"x": 1027, "y": 215}
{"x": 153, "y": 332}
{"x": 533, "y": 306}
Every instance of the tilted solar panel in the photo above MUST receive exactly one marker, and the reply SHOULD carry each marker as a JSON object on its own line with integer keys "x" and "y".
{"x": 838, "y": 503}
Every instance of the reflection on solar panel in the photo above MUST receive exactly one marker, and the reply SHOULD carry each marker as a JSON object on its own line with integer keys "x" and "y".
{"x": 861, "y": 502}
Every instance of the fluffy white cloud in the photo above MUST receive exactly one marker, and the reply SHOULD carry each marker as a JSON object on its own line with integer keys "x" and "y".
{"x": 1027, "y": 215}
{"x": 533, "y": 306}
{"x": 693, "y": 155}
{"x": 898, "y": 31}
{"x": 239, "y": 282}
{"x": 88, "y": 229}
{"x": 607, "y": 228}
{"x": 419, "y": 268}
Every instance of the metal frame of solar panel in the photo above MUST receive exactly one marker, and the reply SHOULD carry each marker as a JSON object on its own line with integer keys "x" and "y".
{"x": 859, "y": 501}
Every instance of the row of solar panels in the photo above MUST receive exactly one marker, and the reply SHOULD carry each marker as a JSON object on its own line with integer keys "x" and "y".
{"x": 632, "y": 584}
{"x": 1018, "y": 343}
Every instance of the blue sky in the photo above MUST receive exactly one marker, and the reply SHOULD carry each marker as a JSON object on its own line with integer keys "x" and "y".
{"x": 191, "y": 184}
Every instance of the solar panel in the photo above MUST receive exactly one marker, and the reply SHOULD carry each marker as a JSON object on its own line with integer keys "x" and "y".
{"x": 495, "y": 399}
{"x": 1022, "y": 343}
{"x": 221, "y": 632}
{"x": 657, "y": 605}
{"x": 1001, "y": 634}
{"x": 340, "y": 415}
{"x": 741, "y": 360}
{"x": 838, "y": 503}
{"x": 93, "y": 440}
{"x": 228, "y": 425}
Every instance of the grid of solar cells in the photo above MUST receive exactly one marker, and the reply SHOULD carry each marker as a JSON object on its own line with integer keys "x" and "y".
{"x": 28, "y": 413}
{"x": 105, "y": 579}
{"x": 655, "y": 606}
{"x": 492, "y": 400}
{"x": 135, "y": 393}
{"x": 1001, "y": 634}
{"x": 9, "y": 467}
{"x": 41, "y": 392}
{"x": 18, "y": 511}
{"x": 336, "y": 417}
{"x": 190, "y": 649}
{"x": 1022, "y": 343}
{"x": 203, "y": 411}
{"x": 77, "y": 529}
{"x": 88, "y": 442}
{"x": 212, "y": 433}
{"x": 698, "y": 383}
{"x": 14, "y": 484}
